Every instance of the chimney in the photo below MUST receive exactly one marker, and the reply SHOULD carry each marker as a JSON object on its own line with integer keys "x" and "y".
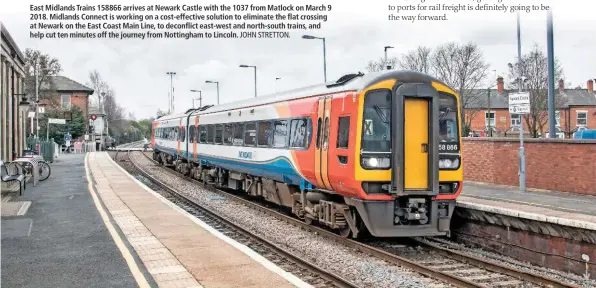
{"x": 561, "y": 86}
{"x": 590, "y": 85}
{"x": 500, "y": 85}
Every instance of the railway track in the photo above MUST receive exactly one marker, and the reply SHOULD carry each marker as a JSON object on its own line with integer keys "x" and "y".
{"x": 301, "y": 268}
{"x": 448, "y": 265}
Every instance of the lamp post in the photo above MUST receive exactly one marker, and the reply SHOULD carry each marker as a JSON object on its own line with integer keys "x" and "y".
{"x": 386, "y": 48}
{"x": 250, "y": 66}
{"x": 200, "y": 99}
{"x": 36, "y": 97}
{"x": 551, "y": 74}
{"x": 216, "y": 83}
{"x": 171, "y": 108}
{"x": 324, "y": 53}
{"x": 276, "y": 78}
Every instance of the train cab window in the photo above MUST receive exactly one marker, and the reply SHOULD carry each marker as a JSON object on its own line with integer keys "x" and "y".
{"x": 280, "y": 134}
{"x": 210, "y": 134}
{"x": 298, "y": 133}
{"x": 264, "y": 138}
{"x": 250, "y": 134}
{"x": 228, "y": 134}
{"x": 238, "y": 134}
{"x": 376, "y": 126}
{"x": 218, "y": 133}
{"x": 343, "y": 132}
{"x": 202, "y": 134}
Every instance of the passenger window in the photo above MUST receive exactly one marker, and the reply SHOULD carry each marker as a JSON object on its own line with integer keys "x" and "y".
{"x": 343, "y": 132}
{"x": 191, "y": 134}
{"x": 238, "y": 134}
{"x": 280, "y": 135}
{"x": 264, "y": 133}
{"x": 298, "y": 133}
{"x": 319, "y": 122}
{"x": 195, "y": 134}
{"x": 203, "y": 134}
{"x": 250, "y": 134}
{"x": 218, "y": 133}
{"x": 227, "y": 134}
{"x": 182, "y": 134}
{"x": 210, "y": 134}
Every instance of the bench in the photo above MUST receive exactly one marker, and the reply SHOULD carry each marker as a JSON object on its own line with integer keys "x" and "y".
{"x": 19, "y": 176}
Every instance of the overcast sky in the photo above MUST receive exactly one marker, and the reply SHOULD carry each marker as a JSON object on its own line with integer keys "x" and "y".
{"x": 356, "y": 32}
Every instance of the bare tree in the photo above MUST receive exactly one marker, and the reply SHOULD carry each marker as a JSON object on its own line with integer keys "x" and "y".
{"x": 111, "y": 108}
{"x": 160, "y": 113}
{"x": 99, "y": 85}
{"x": 48, "y": 67}
{"x": 417, "y": 60}
{"x": 463, "y": 68}
{"x": 534, "y": 72}
{"x": 381, "y": 64}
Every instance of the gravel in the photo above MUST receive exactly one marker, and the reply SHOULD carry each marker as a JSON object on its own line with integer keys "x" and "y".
{"x": 363, "y": 270}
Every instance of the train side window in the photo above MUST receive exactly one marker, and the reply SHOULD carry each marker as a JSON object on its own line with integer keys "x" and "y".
{"x": 298, "y": 133}
{"x": 250, "y": 134}
{"x": 202, "y": 133}
{"x": 195, "y": 130}
{"x": 218, "y": 133}
{"x": 238, "y": 134}
{"x": 227, "y": 134}
{"x": 182, "y": 134}
{"x": 191, "y": 134}
{"x": 280, "y": 134}
{"x": 210, "y": 134}
{"x": 343, "y": 132}
{"x": 319, "y": 122}
{"x": 264, "y": 138}
{"x": 326, "y": 134}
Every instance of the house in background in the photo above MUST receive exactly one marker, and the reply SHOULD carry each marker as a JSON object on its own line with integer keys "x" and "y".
{"x": 575, "y": 109}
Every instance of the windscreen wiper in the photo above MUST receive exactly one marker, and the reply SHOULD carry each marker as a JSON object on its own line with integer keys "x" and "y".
{"x": 381, "y": 114}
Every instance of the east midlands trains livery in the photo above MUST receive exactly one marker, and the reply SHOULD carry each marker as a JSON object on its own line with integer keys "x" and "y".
{"x": 377, "y": 153}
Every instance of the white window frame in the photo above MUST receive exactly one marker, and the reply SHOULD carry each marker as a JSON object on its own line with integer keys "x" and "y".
{"x": 493, "y": 122}
{"x": 67, "y": 107}
{"x": 515, "y": 118}
{"x": 577, "y": 118}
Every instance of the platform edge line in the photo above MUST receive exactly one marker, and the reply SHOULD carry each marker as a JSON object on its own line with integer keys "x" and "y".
{"x": 132, "y": 264}
{"x": 243, "y": 248}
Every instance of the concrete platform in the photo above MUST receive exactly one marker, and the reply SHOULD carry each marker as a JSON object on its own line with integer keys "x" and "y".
{"x": 61, "y": 240}
{"x": 177, "y": 248}
{"x": 567, "y": 209}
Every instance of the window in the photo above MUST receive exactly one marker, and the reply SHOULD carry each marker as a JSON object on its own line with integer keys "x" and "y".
{"x": 228, "y": 134}
{"x": 582, "y": 118}
{"x": 326, "y": 135}
{"x": 66, "y": 104}
{"x": 195, "y": 130}
{"x": 490, "y": 118}
{"x": 343, "y": 132}
{"x": 250, "y": 134}
{"x": 298, "y": 133}
{"x": 558, "y": 118}
{"x": 264, "y": 133}
{"x": 319, "y": 127}
{"x": 515, "y": 120}
{"x": 191, "y": 134}
{"x": 376, "y": 125}
{"x": 202, "y": 134}
{"x": 218, "y": 133}
{"x": 210, "y": 134}
{"x": 238, "y": 134}
{"x": 280, "y": 135}
{"x": 182, "y": 133}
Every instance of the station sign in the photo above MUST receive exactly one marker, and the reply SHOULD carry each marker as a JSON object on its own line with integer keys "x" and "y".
{"x": 56, "y": 121}
{"x": 519, "y": 103}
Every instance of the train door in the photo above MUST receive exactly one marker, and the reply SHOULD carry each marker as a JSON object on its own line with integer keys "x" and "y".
{"x": 416, "y": 147}
{"x": 322, "y": 143}
{"x": 180, "y": 136}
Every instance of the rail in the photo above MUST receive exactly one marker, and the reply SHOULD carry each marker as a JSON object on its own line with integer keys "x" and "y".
{"x": 324, "y": 279}
{"x": 447, "y": 276}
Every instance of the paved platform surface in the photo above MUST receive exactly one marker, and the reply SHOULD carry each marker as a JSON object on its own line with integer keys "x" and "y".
{"x": 176, "y": 248}
{"x": 61, "y": 240}
{"x": 556, "y": 207}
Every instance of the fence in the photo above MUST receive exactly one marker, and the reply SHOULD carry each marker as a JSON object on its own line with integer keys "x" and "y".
{"x": 47, "y": 149}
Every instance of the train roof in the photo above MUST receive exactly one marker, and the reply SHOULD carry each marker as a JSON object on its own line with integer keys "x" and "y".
{"x": 350, "y": 82}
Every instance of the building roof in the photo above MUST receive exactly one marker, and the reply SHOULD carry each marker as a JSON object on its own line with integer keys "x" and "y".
{"x": 65, "y": 84}
{"x": 6, "y": 35}
{"x": 570, "y": 97}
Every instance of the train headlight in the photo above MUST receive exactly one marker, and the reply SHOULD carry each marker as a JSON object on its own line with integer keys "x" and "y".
{"x": 449, "y": 163}
{"x": 376, "y": 162}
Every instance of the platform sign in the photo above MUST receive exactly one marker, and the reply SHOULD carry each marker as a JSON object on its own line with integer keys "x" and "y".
{"x": 519, "y": 103}
{"x": 67, "y": 137}
{"x": 56, "y": 121}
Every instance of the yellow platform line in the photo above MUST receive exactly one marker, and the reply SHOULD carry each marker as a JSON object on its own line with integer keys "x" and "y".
{"x": 130, "y": 261}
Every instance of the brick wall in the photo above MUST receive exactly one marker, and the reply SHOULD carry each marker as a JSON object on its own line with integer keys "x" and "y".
{"x": 552, "y": 164}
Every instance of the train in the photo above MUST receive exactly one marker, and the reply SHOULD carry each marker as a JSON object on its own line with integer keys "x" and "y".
{"x": 369, "y": 154}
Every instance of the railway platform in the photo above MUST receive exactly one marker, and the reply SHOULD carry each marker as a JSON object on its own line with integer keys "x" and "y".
{"x": 177, "y": 249}
{"x": 560, "y": 208}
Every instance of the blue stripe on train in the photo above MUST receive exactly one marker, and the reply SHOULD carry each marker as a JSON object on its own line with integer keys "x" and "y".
{"x": 279, "y": 169}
